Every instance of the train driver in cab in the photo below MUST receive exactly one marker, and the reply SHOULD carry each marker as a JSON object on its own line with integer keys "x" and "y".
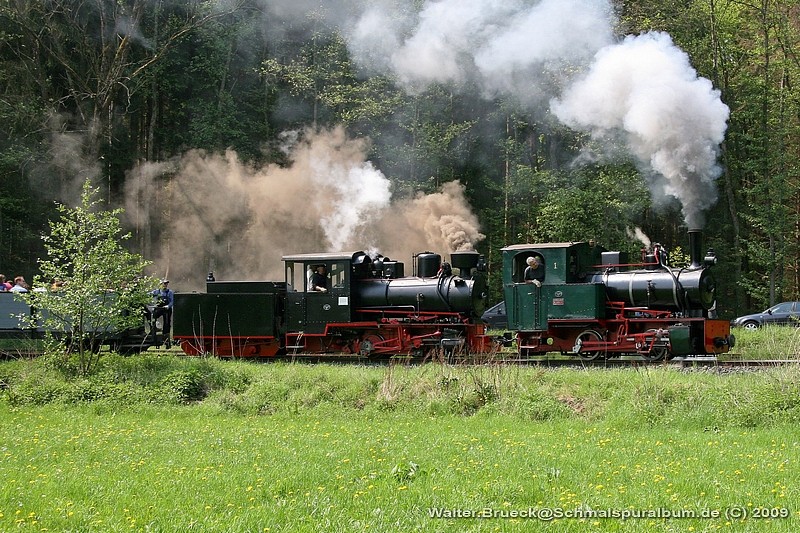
{"x": 319, "y": 280}
{"x": 534, "y": 273}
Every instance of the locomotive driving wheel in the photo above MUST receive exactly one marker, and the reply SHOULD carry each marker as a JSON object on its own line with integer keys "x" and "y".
{"x": 367, "y": 345}
{"x": 589, "y": 335}
{"x": 659, "y": 352}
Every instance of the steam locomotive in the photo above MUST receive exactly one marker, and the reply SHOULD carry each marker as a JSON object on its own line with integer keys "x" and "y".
{"x": 369, "y": 308}
{"x": 594, "y": 303}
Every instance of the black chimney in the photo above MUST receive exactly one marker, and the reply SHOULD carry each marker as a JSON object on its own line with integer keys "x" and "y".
{"x": 695, "y": 245}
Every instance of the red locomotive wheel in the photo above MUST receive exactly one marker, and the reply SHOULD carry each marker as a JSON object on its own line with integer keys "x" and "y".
{"x": 368, "y": 344}
{"x": 658, "y": 353}
{"x": 589, "y": 335}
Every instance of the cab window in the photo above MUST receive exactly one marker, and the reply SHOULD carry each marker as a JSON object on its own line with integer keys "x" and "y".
{"x": 338, "y": 275}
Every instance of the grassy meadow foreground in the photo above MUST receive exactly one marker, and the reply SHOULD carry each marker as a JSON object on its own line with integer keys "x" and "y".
{"x": 164, "y": 443}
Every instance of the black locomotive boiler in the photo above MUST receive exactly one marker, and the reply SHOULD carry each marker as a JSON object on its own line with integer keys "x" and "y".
{"x": 365, "y": 306}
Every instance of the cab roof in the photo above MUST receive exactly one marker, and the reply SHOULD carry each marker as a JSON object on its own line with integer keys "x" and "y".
{"x": 515, "y": 247}
{"x": 328, "y": 256}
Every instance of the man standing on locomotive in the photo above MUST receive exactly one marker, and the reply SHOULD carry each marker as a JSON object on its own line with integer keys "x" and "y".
{"x": 165, "y": 298}
{"x": 534, "y": 273}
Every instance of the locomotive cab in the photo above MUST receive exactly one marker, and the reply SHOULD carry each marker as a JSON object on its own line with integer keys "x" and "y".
{"x": 309, "y": 310}
{"x": 562, "y": 294}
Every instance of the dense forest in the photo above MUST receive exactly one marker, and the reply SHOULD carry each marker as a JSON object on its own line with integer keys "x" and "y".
{"x": 235, "y": 131}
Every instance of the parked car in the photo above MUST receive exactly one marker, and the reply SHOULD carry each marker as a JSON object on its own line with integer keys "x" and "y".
{"x": 495, "y": 316}
{"x": 782, "y": 313}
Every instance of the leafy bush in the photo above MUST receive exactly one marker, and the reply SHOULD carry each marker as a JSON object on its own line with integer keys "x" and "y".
{"x": 181, "y": 386}
{"x": 537, "y": 404}
{"x": 37, "y": 390}
{"x": 92, "y": 390}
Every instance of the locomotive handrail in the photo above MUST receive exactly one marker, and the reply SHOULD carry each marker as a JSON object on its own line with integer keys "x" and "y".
{"x": 620, "y": 309}
{"x": 617, "y": 265}
{"x": 440, "y": 291}
{"x": 422, "y": 315}
{"x": 680, "y": 292}
{"x": 400, "y": 310}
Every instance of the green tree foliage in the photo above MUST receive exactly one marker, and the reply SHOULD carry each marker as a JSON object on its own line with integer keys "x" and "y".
{"x": 87, "y": 62}
{"x": 94, "y": 285}
{"x": 143, "y": 80}
{"x": 205, "y": 92}
{"x": 770, "y": 178}
{"x": 21, "y": 112}
{"x": 318, "y": 81}
{"x": 572, "y": 207}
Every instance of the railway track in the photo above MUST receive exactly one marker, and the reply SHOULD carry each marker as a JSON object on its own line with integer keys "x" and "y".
{"x": 508, "y": 358}
{"x": 557, "y": 361}
{"x": 684, "y": 362}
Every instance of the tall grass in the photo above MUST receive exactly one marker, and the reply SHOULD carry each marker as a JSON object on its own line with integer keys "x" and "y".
{"x": 769, "y": 342}
{"x": 627, "y": 397}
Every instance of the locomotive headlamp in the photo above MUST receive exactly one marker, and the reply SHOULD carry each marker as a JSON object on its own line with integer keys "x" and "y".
{"x": 710, "y": 258}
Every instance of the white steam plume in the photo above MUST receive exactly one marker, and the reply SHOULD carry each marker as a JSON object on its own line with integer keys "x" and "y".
{"x": 644, "y": 91}
{"x": 639, "y": 235}
{"x": 640, "y": 94}
{"x": 505, "y": 46}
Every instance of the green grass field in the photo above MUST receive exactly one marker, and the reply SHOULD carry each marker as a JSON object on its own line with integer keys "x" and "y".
{"x": 194, "y": 468}
{"x": 165, "y": 443}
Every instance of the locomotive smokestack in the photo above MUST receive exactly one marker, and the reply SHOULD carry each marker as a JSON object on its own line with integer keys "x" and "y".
{"x": 695, "y": 247}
